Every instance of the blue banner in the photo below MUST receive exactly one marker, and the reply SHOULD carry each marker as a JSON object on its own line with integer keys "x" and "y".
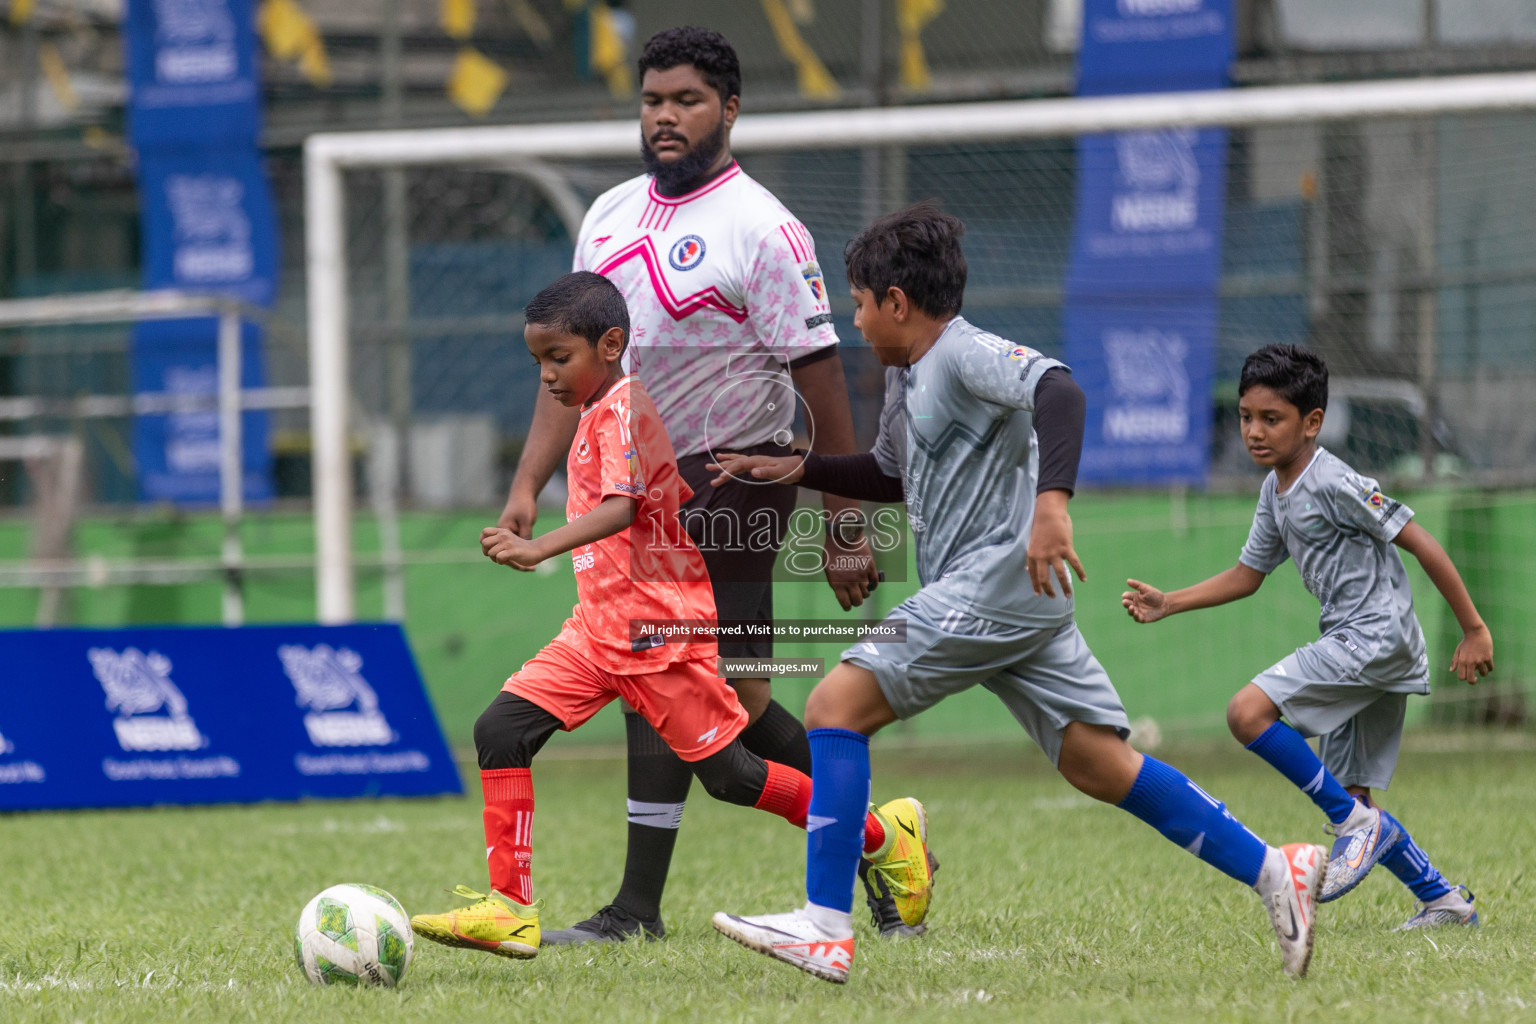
{"x": 104, "y": 718}
{"x": 1146, "y": 367}
{"x": 192, "y": 73}
{"x": 1141, "y": 288}
{"x": 178, "y": 454}
{"x": 207, "y": 226}
{"x": 208, "y": 223}
{"x": 1149, "y": 212}
{"x": 1154, "y": 46}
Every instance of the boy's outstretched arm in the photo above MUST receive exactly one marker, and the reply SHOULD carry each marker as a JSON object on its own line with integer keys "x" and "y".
{"x": 504, "y": 547}
{"x": 1474, "y": 655}
{"x": 1146, "y": 603}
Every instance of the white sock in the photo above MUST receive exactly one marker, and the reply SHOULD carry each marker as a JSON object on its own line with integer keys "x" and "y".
{"x": 1275, "y": 872}
{"x": 835, "y": 923}
{"x": 1359, "y": 818}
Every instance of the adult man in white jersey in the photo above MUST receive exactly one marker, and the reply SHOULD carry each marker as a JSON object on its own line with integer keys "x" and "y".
{"x": 724, "y": 293}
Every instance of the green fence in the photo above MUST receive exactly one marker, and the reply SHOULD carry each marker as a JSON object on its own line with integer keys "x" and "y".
{"x": 471, "y": 623}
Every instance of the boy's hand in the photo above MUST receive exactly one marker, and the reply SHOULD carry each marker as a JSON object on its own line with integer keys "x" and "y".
{"x": 1050, "y": 546}
{"x": 1144, "y": 602}
{"x": 504, "y": 547}
{"x": 1474, "y": 655}
{"x": 766, "y": 468}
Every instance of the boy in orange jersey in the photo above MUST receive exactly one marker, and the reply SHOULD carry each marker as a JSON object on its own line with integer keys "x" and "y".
{"x": 621, "y": 471}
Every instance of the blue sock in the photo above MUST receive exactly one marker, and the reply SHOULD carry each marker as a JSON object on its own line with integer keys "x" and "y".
{"x": 1289, "y": 755}
{"x": 1411, "y": 865}
{"x": 835, "y": 823}
{"x": 1187, "y": 816}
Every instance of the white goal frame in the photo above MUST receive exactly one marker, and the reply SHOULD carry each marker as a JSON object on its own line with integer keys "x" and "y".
{"x": 328, "y": 155}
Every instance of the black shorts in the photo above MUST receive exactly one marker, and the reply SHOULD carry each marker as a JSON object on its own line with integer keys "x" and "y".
{"x": 723, "y": 521}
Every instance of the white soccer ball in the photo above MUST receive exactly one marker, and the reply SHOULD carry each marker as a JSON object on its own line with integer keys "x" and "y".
{"x": 354, "y": 935}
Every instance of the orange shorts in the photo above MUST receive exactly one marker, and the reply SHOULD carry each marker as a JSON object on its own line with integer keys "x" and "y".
{"x": 695, "y": 711}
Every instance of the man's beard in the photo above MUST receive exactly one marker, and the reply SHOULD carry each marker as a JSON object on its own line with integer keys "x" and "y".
{"x": 675, "y": 178}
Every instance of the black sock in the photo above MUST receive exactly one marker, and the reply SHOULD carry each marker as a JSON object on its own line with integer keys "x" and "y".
{"x": 778, "y": 736}
{"x": 658, "y": 788}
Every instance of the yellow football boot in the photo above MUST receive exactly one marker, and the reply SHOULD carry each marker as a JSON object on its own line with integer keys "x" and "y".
{"x": 493, "y": 923}
{"x": 902, "y": 863}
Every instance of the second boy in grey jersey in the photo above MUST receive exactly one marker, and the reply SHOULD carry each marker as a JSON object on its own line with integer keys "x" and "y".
{"x": 1350, "y": 687}
{"x": 1338, "y": 527}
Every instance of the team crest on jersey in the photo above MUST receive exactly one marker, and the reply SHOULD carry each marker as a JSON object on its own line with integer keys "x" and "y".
{"x": 1019, "y": 353}
{"x": 687, "y": 253}
{"x": 1375, "y": 499}
{"x": 583, "y": 451}
{"x": 632, "y": 461}
{"x": 813, "y": 279}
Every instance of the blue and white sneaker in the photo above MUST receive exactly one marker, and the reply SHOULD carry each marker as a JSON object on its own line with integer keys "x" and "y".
{"x": 1364, "y": 838}
{"x": 1455, "y": 907}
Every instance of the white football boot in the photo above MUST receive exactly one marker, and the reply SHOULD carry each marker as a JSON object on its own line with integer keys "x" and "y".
{"x": 1289, "y": 884}
{"x": 801, "y": 938}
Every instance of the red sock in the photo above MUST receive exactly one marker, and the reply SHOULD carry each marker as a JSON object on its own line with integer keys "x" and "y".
{"x": 509, "y": 831}
{"x": 787, "y": 793}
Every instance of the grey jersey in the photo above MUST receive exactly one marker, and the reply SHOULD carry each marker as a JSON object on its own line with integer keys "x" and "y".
{"x": 958, "y": 428}
{"x": 1339, "y": 527}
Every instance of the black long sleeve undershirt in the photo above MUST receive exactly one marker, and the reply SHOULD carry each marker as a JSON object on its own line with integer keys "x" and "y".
{"x": 1060, "y": 409}
{"x": 850, "y": 476}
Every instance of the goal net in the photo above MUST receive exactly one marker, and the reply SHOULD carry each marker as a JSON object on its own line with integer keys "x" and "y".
{"x": 1386, "y": 225}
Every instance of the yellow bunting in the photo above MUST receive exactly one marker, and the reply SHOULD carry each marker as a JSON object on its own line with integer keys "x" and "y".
{"x": 289, "y": 34}
{"x": 457, "y": 17}
{"x": 58, "y": 77}
{"x": 476, "y": 82}
{"x": 21, "y": 11}
{"x": 606, "y": 54}
{"x": 531, "y": 21}
{"x": 813, "y": 78}
{"x": 912, "y": 16}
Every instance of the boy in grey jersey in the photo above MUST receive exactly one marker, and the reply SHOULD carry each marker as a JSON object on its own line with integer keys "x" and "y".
{"x": 981, "y": 438}
{"x": 1350, "y": 687}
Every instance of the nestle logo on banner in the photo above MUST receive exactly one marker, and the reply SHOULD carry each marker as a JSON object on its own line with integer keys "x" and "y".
{"x": 212, "y": 231}
{"x": 1163, "y": 179}
{"x": 1150, "y": 404}
{"x": 1155, "y": 8}
{"x": 196, "y": 42}
{"x": 343, "y": 709}
{"x": 151, "y": 712}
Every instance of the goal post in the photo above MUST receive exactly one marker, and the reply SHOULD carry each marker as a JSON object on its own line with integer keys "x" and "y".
{"x": 329, "y": 157}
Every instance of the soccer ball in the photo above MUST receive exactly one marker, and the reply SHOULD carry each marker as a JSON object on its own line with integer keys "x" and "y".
{"x": 355, "y": 935}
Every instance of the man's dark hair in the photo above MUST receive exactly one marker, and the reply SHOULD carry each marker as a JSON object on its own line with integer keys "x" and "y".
{"x": 703, "y": 48}
{"x": 916, "y": 250}
{"x": 583, "y": 303}
{"x": 1294, "y": 373}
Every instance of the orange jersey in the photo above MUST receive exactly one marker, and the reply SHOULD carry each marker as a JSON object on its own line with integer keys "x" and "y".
{"x": 650, "y": 571}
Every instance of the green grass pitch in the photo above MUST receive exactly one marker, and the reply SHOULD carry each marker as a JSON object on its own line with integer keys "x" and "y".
{"x": 1048, "y": 907}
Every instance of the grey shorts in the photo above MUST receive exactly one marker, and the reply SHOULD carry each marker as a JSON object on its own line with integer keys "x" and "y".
{"x": 1325, "y": 690}
{"x": 1047, "y": 678}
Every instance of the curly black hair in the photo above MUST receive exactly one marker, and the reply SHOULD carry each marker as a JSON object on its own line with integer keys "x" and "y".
{"x": 704, "y": 48}
{"x": 1294, "y": 373}
{"x": 916, "y": 250}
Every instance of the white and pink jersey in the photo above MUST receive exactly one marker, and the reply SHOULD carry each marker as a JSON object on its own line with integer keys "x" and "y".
{"x": 723, "y": 290}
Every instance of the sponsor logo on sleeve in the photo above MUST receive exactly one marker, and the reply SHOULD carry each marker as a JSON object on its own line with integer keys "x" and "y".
{"x": 686, "y": 253}
{"x": 813, "y": 322}
{"x": 813, "y": 280}
{"x": 343, "y": 709}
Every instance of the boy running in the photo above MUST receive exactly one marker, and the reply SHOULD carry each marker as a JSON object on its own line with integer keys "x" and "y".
{"x": 622, "y": 470}
{"x": 1351, "y": 686}
{"x": 982, "y": 438}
